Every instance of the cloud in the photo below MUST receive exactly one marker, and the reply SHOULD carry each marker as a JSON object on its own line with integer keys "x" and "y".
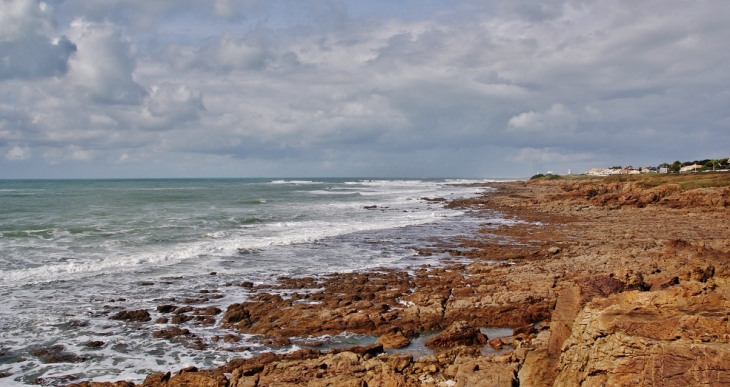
{"x": 169, "y": 105}
{"x": 225, "y": 55}
{"x": 17, "y": 153}
{"x": 26, "y": 49}
{"x": 557, "y": 118}
{"x": 549, "y": 156}
{"x": 284, "y": 83}
{"x": 102, "y": 68}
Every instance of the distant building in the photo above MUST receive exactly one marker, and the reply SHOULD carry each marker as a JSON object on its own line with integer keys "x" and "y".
{"x": 690, "y": 168}
{"x": 663, "y": 170}
{"x": 595, "y": 172}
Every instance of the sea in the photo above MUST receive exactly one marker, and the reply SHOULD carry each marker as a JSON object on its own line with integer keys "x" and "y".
{"x": 72, "y": 252}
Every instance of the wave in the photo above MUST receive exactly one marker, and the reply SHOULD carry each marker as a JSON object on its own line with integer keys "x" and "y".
{"x": 334, "y": 192}
{"x": 295, "y": 182}
{"x": 223, "y": 243}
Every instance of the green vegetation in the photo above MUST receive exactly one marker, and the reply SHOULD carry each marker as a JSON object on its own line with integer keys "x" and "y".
{"x": 686, "y": 181}
{"x": 549, "y": 176}
{"x": 540, "y": 176}
{"x": 707, "y": 165}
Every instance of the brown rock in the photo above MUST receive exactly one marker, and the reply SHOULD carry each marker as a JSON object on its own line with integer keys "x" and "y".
{"x": 180, "y": 318}
{"x": 525, "y": 330}
{"x": 393, "y": 340}
{"x": 183, "y": 309}
{"x": 132, "y": 315}
{"x": 364, "y": 351}
{"x": 483, "y": 373}
{"x": 236, "y": 314}
{"x": 95, "y": 344}
{"x": 102, "y": 384}
{"x": 172, "y": 332}
{"x": 209, "y": 311}
{"x": 166, "y": 308}
{"x": 678, "y": 336}
{"x": 459, "y": 333}
{"x": 397, "y": 361}
{"x": 197, "y": 379}
{"x": 56, "y": 354}
{"x": 537, "y": 370}
{"x": 156, "y": 379}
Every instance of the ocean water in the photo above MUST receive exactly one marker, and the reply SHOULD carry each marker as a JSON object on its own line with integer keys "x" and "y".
{"x": 72, "y": 251}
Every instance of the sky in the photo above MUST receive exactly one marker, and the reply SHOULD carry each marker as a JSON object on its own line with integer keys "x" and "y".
{"x": 351, "y": 88}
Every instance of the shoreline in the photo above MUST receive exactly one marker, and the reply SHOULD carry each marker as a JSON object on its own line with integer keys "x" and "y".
{"x": 578, "y": 246}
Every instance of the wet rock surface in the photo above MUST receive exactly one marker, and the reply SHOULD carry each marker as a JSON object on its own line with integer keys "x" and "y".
{"x": 56, "y": 354}
{"x": 605, "y": 282}
{"x": 458, "y": 333}
{"x": 132, "y": 315}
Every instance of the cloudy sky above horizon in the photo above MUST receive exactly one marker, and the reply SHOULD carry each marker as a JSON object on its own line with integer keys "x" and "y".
{"x": 293, "y": 88}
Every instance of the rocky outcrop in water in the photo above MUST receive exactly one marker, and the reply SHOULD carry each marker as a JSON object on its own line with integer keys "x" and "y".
{"x": 458, "y": 333}
{"x": 132, "y": 315}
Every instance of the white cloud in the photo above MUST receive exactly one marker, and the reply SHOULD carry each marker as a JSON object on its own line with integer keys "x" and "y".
{"x": 17, "y": 153}
{"x": 68, "y": 153}
{"x": 102, "y": 69}
{"x": 591, "y": 114}
{"x": 289, "y": 82}
{"x": 169, "y": 105}
{"x": 557, "y": 118}
{"x": 19, "y": 18}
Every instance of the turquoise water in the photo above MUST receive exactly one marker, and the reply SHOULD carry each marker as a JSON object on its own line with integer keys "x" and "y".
{"x": 72, "y": 249}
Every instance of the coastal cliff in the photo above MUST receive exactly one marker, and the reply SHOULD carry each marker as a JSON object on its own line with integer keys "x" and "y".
{"x": 604, "y": 281}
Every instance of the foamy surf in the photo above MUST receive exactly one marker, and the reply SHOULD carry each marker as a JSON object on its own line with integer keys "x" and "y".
{"x": 75, "y": 251}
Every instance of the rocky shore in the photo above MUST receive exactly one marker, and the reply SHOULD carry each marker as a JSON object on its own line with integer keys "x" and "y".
{"x": 603, "y": 282}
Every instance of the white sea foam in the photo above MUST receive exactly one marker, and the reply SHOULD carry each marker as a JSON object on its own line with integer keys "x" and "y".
{"x": 285, "y": 233}
{"x": 85, "y": 258}
{"x": 332, "y": 192}
{"x": 296, "y": 182}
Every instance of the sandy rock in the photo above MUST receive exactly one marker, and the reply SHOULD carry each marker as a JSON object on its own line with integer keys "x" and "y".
{"x": 484, "y": 373}
{"x": 338, "y": 380}
{"x": 156, "y": 380}
{"x": 364, "y": 351}
{"x": 537, "y": 370}
{"x": 398, "y": 362}
{"x": 674, "y": 337}
{"x": 393, "y": 340}
{"x": 459, "y": 333}
{"x": 196, "y": 379}
{"x": 496, "y": 343}
{"x": 102, "y": 384}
